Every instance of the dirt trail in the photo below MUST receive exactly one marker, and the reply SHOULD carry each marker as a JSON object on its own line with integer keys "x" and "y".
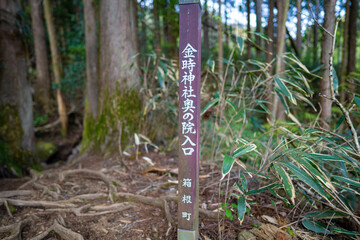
{"x": 96, "y": 198}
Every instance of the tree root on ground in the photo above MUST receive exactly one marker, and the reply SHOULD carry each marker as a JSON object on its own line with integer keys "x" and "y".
{"x": 34, "y": 203}
{"x": 88, "y": 210}
{"x": 7, "y": 194}
{"x": 99, "y": 175}
{"x": 14, "y": 230}
{"x": 159, "y": 202}
{"x": 64, "y": 233}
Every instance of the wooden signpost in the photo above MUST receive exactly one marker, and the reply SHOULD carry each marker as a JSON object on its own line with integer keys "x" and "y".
{"x": 189, "y": 118}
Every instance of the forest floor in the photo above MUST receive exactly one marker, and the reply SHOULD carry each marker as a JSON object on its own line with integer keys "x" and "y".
{"x": 92, "y": 197}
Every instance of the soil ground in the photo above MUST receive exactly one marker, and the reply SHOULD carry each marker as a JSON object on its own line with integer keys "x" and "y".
{"x": 91, "y": 197}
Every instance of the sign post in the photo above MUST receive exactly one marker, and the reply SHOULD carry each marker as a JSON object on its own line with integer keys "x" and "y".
{"x": 189, "y": 118}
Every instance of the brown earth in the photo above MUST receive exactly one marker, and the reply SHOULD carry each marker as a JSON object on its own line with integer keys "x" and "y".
{"x": 95, "y": 198}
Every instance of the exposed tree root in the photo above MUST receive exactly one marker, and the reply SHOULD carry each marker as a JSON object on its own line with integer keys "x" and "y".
{"x": 88, "y": 210}
{"x": 46, "y": 190}
{"x": 158, "y": 202}
{"x": 34, "y": 203}
{"x": 15, "y": 230}
{"x": 7, "y": 194}
{"x": 99, "y": 175}
{"x": 63, "y": 232}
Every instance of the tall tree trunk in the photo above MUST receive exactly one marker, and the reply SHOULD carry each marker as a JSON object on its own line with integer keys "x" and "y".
{"x": 206, "y": 48}
{"x": 258, "y": 10}
{"x": 316, "y": 32}
{"x": 270, "y": 49}
{"x": 327, "y": 40}
{"x": 298, "y": 27}
{"x": 171, "y": 29}
{"x": 220, "y": 41}
{"x": 344, "y": 53}
{"x": 278, "y": 110}
{"x": 351, "y": 64}
{"x": 119, "y": 105}
{"x": 248, "y": 28}
{"x": 16, "y": 108}
{"x": 42, "y": 84}
{"x": 91, "y": 42}
{"x": 157, "y": 43}
{"x": 57, "y": 65}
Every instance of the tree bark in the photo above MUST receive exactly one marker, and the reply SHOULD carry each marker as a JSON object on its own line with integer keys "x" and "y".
{"x": 157, "y": 43}
{"x": 220, "y": 41}
{"x": 270, "y": 50}
{"x": 91, "y": 42}
{"x": 258, "y": 11}
{"x": 329, "y": 25}
{"x": 316, "y": 32}
{"x": 42, "y": 84}
{"x": 57, "y": 65}
{"x": 298, "y": 27}
{"x": 248, "y": 29}
{"x": 119, "y": 106}
{"x": 344, "y": 53}
{"x": 206, "y": 31}
{"x": 16, "y": 108}
{"x": 278, "y": 110}
{"x": 351, "y": 64}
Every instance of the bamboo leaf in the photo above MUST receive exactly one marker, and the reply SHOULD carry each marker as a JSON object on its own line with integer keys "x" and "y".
{"x": 284, "y": 90}
{"x": 357, "y": 101}
{"x": 288, "y": 186}
{"x": 348, "y": 180}
{"x": 241, "y": 208}
{"x": 243, "y": 150}
{"x": 227, "y": 165}
{"x": 262, "y": 189}
{"x": 316, "y": 227}
{"x": 306, "y": 178}
{"x": 329, "y": 214}
{"x": 240, "y": 43}
{"x": 209, "y": 105}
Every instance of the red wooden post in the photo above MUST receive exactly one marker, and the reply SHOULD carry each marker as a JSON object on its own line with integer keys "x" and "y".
{"x": 189, "y": 118}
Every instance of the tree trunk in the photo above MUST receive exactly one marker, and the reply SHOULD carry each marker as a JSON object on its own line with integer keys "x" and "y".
{"x": 327, "y": 40}
{"x": 170, "y": 27}
{"x": 91, "y": 42}
{"x": 220, "y": 41}
{"x": 298, "y": 27}
{"x": 351, "y": 64}
{"x": 278, "y": 110}
{"x": 42, "y": 84}
{"x": 206, "y": 48}
{"x": 157, "y": 43}
{"x": 17, "y": 142}
{"x": 248, "y": 29}
{"x": 119, "y": 106}
{"x": 57, "y": 65}
{"x": 258, "y": 4}
{"x": 316, "y": 32}
{"x": 344, "y": 53}
{"x": 270, "y": 49}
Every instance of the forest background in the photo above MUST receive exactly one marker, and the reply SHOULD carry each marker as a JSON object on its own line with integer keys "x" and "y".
{"x": 280, "y": 92}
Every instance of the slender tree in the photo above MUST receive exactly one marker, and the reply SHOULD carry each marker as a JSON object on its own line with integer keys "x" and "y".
{"x": 220, "y": 40}
{"x": 270, "y": 49}
{"x": 16, "y": 108}
{"x": 42, "y": 83}
{"x": 258, "y": 11}
{"x": 278, "y": 110}
{"x": 57, "y": 65}
{"x": 316, "y": 31}
{"x": 206, "y": 30}
{"x": 351, "y": 64}
{"x": 298, "y": 26}
{"x": 248, "y": 29}
{"x": 344, "y": 53}
{"x": 157, "y": 43}
{"x": 327, "y": 40}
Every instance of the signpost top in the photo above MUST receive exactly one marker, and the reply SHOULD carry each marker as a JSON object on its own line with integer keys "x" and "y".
{"x": 188, "y": 1}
